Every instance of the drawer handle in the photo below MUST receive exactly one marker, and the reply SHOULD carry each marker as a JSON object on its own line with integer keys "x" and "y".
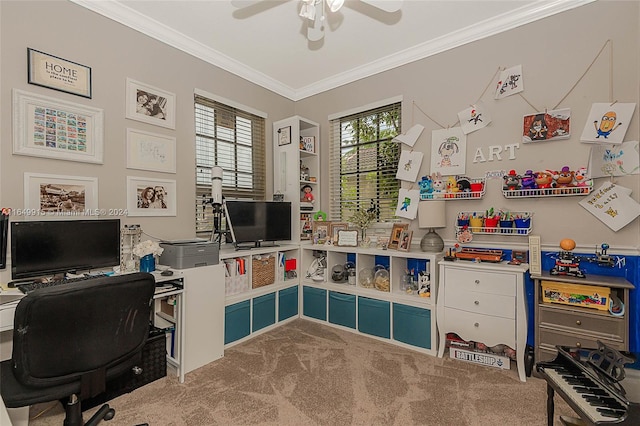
{"x": 477, "y": 281}
{"x": 476, "y": 302}
{"x": 578, "y": 345}
{"x": 578, "y": 322}
{"x": 476, "y": 324}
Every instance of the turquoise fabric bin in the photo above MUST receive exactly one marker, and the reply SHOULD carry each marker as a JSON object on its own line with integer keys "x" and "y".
{"x": 237, "y": 322}
{"x": 342, "y": 309}
{"x": 264, "y": 311}
{"x": 287, "y": 303}
{"x": 412, "y": 325}
{"x": 314, "y": 303}
{"x": 374, "y": 317}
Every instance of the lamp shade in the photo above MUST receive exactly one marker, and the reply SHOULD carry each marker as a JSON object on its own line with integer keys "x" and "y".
{"x": 431, "y": 214}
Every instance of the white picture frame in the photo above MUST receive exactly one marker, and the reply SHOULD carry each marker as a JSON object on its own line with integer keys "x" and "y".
{"x": 59, "y": 195}
{"x": 161, "y": 113}
{"x": 136, "y": 187}
{"x": 53, "y": 128}
{"x": 150, "y": 151}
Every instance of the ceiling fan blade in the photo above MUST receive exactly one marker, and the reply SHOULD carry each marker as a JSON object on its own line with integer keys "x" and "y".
{"x": 386, "y": 5}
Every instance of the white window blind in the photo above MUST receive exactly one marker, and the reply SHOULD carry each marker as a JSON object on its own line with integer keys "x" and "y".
{"x": 363, "y": 162}
{"x": 234, "y": 140}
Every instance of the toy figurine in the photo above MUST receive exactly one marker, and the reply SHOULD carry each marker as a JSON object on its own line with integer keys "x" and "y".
{"x": 426, "y": 188}
{"x": 512, "y": 181}
{"x": 564, "y": 178}
{"x": 464, "y": 184}
{"x": 567, "y": 263}
{"x": 528, "y": 180}
{"x": 307, "y": 195}
{"x": 544, "y": 179}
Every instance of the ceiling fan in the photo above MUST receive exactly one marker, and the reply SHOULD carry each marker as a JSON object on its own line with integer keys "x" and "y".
{"x": 313, "y": 11}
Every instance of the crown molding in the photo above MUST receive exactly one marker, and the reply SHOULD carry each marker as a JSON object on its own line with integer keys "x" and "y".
{"x": 123, "y": 14}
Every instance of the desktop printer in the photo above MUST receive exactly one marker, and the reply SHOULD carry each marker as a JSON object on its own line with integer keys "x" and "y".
{"x": 189, "y": 254}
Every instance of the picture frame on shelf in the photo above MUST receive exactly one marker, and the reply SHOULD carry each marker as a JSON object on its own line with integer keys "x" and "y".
{"x": 337, "y": 227}
{"x": 405, "y": 240}
{"x": 284, "y": 136}
{"x": 151, "y": 197}
{"x": 396, "y": 233}
{"x": 308, "y": 144}
{"x": 347, "y": 238}
{"x": 322, "y": 231}
{"x": 59, "y": 74}
{"x": 150, "y": 104}
{"x": 52, "y": 128}
{"x": 56, "y": 195}
{"x": 151, "y": 151}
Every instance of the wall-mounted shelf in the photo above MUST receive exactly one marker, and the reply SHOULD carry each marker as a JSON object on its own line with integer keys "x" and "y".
{"x": 549, "y": 192}
{"x": 521, "y": 225}
{"x": 464, "y": 189}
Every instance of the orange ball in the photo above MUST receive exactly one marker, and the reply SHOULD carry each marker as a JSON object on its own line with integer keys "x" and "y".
{"x": 567, "y": 244}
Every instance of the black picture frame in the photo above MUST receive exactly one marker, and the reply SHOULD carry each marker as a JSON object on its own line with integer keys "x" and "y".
{"x": 57, "y": 73}
{"x": 284, "y": 136}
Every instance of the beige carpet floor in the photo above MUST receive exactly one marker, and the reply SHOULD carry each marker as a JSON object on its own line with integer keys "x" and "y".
{"x": 305, "y": 373}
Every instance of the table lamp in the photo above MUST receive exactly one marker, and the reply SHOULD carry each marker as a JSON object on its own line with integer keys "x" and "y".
{"x": 431, "y": 214}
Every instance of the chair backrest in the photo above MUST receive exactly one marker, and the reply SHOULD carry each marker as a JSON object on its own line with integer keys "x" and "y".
{"x": 64, "y": 332}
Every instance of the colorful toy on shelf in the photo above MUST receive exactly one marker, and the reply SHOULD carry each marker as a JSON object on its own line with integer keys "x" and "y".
{"x": 512, "y": 181}
{"x": 567, "y": 263}
{"x": 307, "y": 196}
{"x": 528, "y": 180}
{"x": 544, "y": 179}
{"x": 439, "y": 184}
{"x": 426, "y": 187}
{"x": 602, "y": 258}
{"x": 564, "y": 178}
{"x": 464, "y": 184}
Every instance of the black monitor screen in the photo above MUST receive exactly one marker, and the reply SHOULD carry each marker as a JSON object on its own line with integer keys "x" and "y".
{"x": 256, "y": 221}
{"x": 40, "y": 248}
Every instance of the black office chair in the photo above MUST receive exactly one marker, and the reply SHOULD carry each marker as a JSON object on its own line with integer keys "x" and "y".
{"x": 68, "y": 340}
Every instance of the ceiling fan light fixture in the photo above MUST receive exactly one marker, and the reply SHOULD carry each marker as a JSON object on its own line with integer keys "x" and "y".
{"x": 308, "y": 10}
{"x": 335, "y": 5}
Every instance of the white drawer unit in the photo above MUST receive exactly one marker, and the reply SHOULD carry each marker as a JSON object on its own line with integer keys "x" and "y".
{"x": 483, "y": 303}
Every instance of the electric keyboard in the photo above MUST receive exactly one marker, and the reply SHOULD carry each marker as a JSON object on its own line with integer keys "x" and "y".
{"x": 588, "y": 380}
{"x": 35, "y": 285}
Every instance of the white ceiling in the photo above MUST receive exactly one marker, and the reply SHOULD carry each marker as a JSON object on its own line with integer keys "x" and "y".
{"x": 266, "y": 42}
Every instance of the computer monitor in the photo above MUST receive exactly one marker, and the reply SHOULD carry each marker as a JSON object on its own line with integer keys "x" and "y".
{"x": 40, "y": 248}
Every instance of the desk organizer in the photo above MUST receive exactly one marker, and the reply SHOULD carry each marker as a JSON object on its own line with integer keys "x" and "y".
{"x": 478, "y": 224}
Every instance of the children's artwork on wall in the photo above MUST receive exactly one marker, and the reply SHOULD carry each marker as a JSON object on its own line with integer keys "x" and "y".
{"x": 546, "y": 126}
{"x": 608, "y": 123}
{"x": 408, "y": 200}
{"x": 448, "y": 151}
{"x": 612, "y": 204}
{"x": 409, "y": 165}
{"x": 615, "y": 160}
{"x": 510, "y": 82}
{"x": 474, "y": 118}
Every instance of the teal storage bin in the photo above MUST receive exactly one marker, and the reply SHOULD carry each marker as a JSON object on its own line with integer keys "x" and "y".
{"x": 237, "y": 323}
{"x": 314, "y": 303}
{"x": 412, "y": 325}
{"x": 374, "y": 317}
{"x": 342, "y": 309}
{"x": 287, "y": 303}
{"x": 264, "y": 311}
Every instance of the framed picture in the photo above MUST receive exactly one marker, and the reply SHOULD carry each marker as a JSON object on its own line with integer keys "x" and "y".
{"x": 396, "y": 232}
{"x": 284, "y": 136}
{"x": 150, "y": 104}
{"x": 346, "y": 238}
{"x": 308, "y": 143}
{"x": 405, "y": 240}
{"x": 321, "y": 230}
{"x": 151, "y": 197}
{"x": 59, "y": 74}
{"x": 337, "y": 227}
{"x": 51, "y": 195}
{"x": 52, "y": 128}
{"x": 151, "y": 151}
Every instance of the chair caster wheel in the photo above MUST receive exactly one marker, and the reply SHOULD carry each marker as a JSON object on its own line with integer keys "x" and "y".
{"x": 110, "y": 414}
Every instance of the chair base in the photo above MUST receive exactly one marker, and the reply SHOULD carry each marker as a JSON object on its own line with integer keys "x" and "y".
{"x": 73, "y": 416}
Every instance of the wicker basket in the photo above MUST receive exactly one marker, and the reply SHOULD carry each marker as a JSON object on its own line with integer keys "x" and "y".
{"x": 263, "y": 270}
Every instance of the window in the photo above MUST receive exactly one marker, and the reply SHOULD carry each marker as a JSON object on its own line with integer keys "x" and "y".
{"x": 234, "y": 140}
{"x": 364, "y": 161}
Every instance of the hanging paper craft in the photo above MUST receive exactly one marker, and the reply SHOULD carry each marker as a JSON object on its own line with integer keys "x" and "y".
{"x": 409, "y": 165}
{"x": 448, "y": 151}
{"x": 411, "y": 136}
{"x": 615, "y": 160}
{"x": 546, "y": 126}
{"x": 510, "y": 82}
{"x": 612, "y": 205}
{"x": 408, "y": 200}
{"x": 608, "y": 123}
{"x": 474, "y": 118}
